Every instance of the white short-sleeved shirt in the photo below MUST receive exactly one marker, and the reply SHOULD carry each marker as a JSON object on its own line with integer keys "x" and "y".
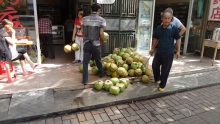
{"x": 176, "y": 22}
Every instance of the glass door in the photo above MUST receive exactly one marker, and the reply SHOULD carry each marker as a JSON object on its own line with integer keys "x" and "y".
{"x": 145, "y": 25}
{"x": 195, "y": 26}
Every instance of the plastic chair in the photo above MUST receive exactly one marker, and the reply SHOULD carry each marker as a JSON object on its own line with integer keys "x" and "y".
{"x": 8, "y": 68}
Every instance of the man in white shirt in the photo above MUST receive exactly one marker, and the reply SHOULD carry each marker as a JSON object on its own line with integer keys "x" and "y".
{"x": 176, "y": 22}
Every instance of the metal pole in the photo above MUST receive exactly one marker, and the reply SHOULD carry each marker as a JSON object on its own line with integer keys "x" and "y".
{"x": 37, "y": 32}
{"x": 188, "y": 27}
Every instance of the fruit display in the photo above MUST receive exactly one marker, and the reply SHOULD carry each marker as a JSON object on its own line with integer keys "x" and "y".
{"x": 67, "y": 48}
{"x": 120, "y": 65}
{"x": 113, "y": 86}
{"x": 106, "y": 37}
{"x": 125, "y": 62}
{"x": 98, "y": 85}
{"x": 75, "y": 46}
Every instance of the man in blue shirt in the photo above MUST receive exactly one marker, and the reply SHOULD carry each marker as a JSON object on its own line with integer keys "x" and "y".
{"x": 93, "y": 36}
{"x": 164, "y": 40}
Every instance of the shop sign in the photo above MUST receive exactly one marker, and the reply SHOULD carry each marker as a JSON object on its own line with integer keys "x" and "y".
{"x": 105, "y": 1}
{"x": 214, "y": 11}
{"x": 9, "y": 12}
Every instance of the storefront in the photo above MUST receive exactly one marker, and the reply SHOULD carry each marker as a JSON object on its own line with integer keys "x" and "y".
{"x": 23, "y": 14}
{"x": 130, "y": 23}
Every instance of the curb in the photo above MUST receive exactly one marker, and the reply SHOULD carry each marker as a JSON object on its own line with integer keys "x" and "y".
{"x": 90, "y": 85}
{"x": 87, "y": 108}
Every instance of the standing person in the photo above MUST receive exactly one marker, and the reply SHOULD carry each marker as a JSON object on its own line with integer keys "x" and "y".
{"x": 176, "y": 22}
{"x": 164, "y": 40}
{"x": 17, "y": 53}
{"x": 69, "y": 29}
{"x": 78, "y": 37}
{"x": 46, "y": 37}
{"x": 93, "y": 36}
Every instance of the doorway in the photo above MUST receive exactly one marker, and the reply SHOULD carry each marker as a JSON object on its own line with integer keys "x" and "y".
{"x": 60, "y": 10}
{"x": 195, "y": 28}
{"x": 180, "y": 11}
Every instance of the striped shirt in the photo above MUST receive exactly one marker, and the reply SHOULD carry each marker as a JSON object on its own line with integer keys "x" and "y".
{"x": 45, "y": 26}
{"x": 91, "y": 28}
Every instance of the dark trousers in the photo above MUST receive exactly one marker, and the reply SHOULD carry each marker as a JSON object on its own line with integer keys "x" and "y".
{"x": 161, "y": 68}
{"x": 90, "y": 50}
{"x": 46, "y": 41}
{"x": 21, "y": 52}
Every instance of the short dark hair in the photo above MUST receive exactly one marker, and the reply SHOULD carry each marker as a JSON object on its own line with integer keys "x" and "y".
{"x": 95, "y": 7}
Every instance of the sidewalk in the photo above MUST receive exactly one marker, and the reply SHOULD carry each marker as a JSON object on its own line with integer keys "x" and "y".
{"x": 59, "y": 89}
{"x": 66, "y": 76}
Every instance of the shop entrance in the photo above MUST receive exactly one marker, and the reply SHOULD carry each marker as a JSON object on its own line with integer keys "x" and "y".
{"x": 180, "y": 10}
{"x": 61, "y": 10}
{"x": 196, "y": 27}
{"x": 192, "y": 14}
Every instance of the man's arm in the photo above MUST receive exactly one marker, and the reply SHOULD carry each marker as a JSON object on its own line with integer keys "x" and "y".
{"x": 182, "y": 30}
{"x": 178, "y": 42}
{"x": 101, "y": 35}
{"x": 155, "y": 42}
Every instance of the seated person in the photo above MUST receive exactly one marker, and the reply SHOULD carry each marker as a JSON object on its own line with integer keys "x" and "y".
{"x": 19, "y": 53}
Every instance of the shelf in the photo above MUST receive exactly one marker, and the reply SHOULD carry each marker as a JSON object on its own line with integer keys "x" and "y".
{"x": 58, "y": 34}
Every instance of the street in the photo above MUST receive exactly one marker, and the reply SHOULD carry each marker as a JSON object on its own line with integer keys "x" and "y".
{"x": 200, "y": 106}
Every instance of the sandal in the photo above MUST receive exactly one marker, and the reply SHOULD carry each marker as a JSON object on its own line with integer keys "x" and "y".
{"x": 28, "y": 73}
{"x": 35, "y": 66}
{"x": 75, "y": 61}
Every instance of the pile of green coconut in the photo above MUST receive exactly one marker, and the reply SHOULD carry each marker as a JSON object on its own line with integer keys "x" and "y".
{"x": 113, "y": 85}
{"x": 121, "y": 64}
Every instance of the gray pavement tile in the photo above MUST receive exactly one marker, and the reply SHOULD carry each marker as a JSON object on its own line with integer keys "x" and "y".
{"x": 132, "y": 91}
{"x": 154, "y": 122}
{"x": 147, "y": 89}
{"x": 186, "y": 81}
{"x": 18, "y": 112}
{"x": 211, "y": 117}
{"x": 94, "y": 97}
{"x": 4, "y": 105}
{"x": 193, "y": 120}
{"x": 68, "y": 99}
{"x": 34, "y": 96}
{"x": 3, "y": 116}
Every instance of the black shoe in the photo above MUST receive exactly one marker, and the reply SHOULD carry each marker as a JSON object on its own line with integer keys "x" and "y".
{"x": 85, "y": 83}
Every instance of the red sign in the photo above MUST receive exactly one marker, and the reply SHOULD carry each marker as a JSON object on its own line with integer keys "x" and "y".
{"x": 214, "y": 12}
{"x": 10, "y": 13}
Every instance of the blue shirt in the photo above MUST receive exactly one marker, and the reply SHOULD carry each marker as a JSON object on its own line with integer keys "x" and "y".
{"x": 166, "y": 38}
{"x": 91, "y": 28}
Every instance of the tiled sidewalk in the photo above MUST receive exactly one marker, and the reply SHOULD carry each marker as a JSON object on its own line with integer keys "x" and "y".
{"x": 201, "y": 106}
{"x": 45, "y": 103}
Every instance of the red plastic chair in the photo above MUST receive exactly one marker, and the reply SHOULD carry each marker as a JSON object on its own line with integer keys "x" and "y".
{"x": 8, "y": 68}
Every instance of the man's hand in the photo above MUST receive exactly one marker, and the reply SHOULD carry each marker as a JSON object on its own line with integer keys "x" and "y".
{"x": 151, "y": 52}
{"x": 177, "y": 55}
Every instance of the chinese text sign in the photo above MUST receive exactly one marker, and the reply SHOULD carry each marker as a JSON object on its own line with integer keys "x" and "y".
{"x": 214, "y": 12}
